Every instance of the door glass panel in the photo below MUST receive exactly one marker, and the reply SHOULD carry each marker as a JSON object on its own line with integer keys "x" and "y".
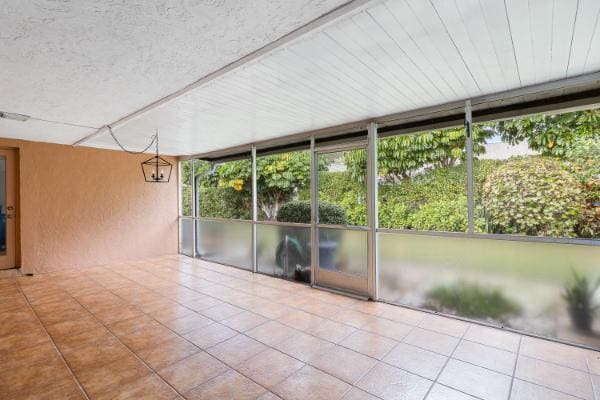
{"x": 284, "y": 251}
{"x": 2, "y": 205}
{"x": 342, "y": 199}
{"x": 341, "y": 188}
{"x": 343, "y": 250}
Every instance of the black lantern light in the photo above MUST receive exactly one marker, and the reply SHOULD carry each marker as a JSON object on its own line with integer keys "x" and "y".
{"x": 157, "y": 169}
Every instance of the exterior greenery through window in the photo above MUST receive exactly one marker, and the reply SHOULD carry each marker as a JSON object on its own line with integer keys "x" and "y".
{"x": 537, "y": 176}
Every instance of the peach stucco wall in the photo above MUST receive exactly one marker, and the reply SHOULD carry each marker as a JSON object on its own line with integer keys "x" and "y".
{"x": 81, "y": 207}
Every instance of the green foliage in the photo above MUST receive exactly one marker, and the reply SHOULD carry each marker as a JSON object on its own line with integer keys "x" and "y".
{"x": 470, "y": 299}
{"x": 579, "y": 294}
{"x": 279, "y": 178}
{"x": 224, "y": 203}
{"x": 550, "y": 134}
{"x": 299, "y": 212}
{"x": 403, "y": 156}
{"x": 533, "y": 196}
{"x": 338, "y": 188}
{"x": 443, "y": 215}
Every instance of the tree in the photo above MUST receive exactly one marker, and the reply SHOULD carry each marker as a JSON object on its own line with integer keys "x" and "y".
{"x": 279, "y": 177}
{"x": 402, "y": 156}
{"x": 549, "y": 134}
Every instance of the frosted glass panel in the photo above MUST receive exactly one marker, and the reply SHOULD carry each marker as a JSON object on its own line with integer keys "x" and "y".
{"x": 225, "y": 242}
{"x": 284, "y": 251}
{"x": 186, "y": 236}
{"x": 521, "y": 285}
{"x": 342, "y": 250}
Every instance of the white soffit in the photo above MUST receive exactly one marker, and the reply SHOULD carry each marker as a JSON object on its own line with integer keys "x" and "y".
{"x": 90, "y": 62}
{"x": 383, "y": 58}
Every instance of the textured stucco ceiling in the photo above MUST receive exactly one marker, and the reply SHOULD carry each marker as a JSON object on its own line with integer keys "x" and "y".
{"x": 91, "y": 62}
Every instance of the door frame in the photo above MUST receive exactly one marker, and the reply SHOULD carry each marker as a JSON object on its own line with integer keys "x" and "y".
{"x": 15, "y": 262}
{"x": 335, "y": 280}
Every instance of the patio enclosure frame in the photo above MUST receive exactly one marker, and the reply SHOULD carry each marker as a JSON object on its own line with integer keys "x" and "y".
{"x": 379, "y": 129}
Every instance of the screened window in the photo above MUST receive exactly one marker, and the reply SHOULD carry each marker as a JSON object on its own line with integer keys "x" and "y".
{"x": 283, "y": 180}
{"x": 224, "y": 190}
{"x": 186, "y": 187}
{"x": 423, "y": 181}
{"x": 539, "y": 176}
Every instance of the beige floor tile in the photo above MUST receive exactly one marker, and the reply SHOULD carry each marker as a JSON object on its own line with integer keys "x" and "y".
{"x": 221, "y": 312}
{"x": 94, "y": 354}
{"x": 390, "y": 383}
{"x": 244, "y": 321}
{"x": 210, "y": 335}
{"x": 311, "y": 384}
{"x": 488, "y": 357}
{"x": 557, "y": 353}
{"x": 269, "y": 367}
{"x": 97, "y": 381}
{"x": 448, "y": 326}
{"x": 191, "y": 372}
{"x": 476, "y": 381}
{"x": 236, "y": 350}
{"x": 147, "y": 338}
{"x": 522, "y": 390}
{"x": 170, "y": 311}
{"x": 332, "y": 331}
{"x": 344, "y": 364}
{"x": 440, "y": 392}
{"x": 404, "y": 315}
{"x": 188, "y": 323}
{"x": 304, "y": 347}
{"x": 301, "y": 320}
{"x": 61, "y": 389}
{"x": 272, "y": 333}
{"x": 147, "y": 387}
{"x": 554, "y": 376}
{"x": 388, "y": 328}
{"x": 39, "y": 353}
{"x": 370, "y": 344}
{"x": 357, "y": 394}
{"x": 133, "y": 324}
{"x": 493, "y": 337}
{"x": 416, "y": 360}
{"x": 230, "y": 385}
{"x": 168, "y": 352}
{"x": 28, "y": 379}
{"x": 437, "y": 342}
{"x": 353, "y": 318}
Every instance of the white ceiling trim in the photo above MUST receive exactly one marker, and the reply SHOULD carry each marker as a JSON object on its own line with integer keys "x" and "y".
{"x": 384, "y": 57}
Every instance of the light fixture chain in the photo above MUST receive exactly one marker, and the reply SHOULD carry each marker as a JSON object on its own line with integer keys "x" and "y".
{"x": 154, "y": 138}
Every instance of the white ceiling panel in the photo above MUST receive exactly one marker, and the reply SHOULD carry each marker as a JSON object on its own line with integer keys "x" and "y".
{"x": 381, "y": 58}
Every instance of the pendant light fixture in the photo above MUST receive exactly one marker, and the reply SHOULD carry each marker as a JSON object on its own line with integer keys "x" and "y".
{"x": 155, "y": 169}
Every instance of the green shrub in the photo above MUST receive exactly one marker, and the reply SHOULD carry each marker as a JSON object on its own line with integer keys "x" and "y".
{"x": 442, "y": 215}
{"x": 471, "y": 300}
{"x": 299, "y": 212}
{"x": 584, "y": 162}
{"x": 532, "y": 196}
{"x": 218, "y": 202}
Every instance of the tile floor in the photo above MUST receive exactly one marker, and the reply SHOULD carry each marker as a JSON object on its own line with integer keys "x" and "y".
{"x": 175, "y": 327}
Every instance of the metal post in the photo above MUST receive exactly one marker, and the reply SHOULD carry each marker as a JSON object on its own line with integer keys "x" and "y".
{"x": 194, "y": 208}
{"x": 469, "y": 150}
{"x": 179, "y": 205}
{"x": 314, "y": 212}
{"x": 254, "y": 210}
{"x": 372, "y": 213}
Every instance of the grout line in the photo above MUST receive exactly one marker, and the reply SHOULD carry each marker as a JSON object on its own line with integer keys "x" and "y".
{"x": 512, "y": 379}
{"x": 176, "y": 268}
{"x": 62, "y": 357}
{"x": 587, "y": 364}
{"x": 449, "y": 357}
{"x": 120, "y": 341}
